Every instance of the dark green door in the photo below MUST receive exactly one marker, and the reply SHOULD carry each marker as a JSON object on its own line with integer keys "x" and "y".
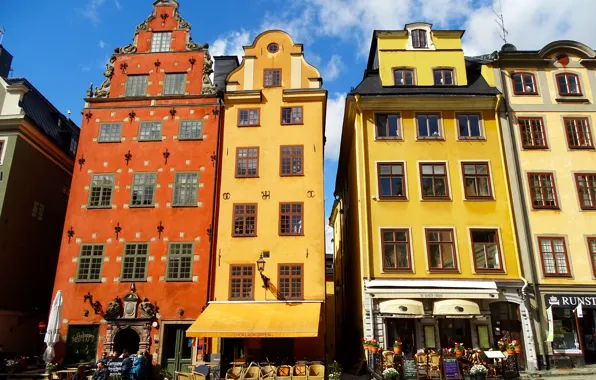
{"x": 177, "y": 349}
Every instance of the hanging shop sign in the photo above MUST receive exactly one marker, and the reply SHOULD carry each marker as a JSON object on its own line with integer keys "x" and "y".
{"x": 571, "y": 300}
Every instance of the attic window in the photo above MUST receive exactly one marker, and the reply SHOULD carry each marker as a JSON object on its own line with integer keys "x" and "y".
{"x": 419, "y": 39}
{"x": 273, "y": 48}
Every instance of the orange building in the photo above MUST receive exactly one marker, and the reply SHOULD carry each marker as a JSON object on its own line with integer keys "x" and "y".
{"x": 134, "y": 262}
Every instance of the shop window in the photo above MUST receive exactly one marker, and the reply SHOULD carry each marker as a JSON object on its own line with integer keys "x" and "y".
{"x": 272, "y": 78}
{"x": 469, "y": 126}
{"x": 90, "y": 263}
{"x": 568, "y": 84}
{"x": 291, "y": 160}
{"x": 428, "y": 126}
{"x": 554, "y": 256}
{"x": 443, "y": 77}
{"x": 532, "y": 133}
{"x": 136, "y": 85}
{"x": 110, "y": 132}
{"x": 454, "y": 330}
{"x": 161, "y": 41}
{"x": 100, "y": 191}
{"x": 403, "y": 77}
{"x": 586, "y": 188}
{"x": 396, "y": 249}
{"x": 419, "y": 39}
{"x": 134, "y": 262}
{"x": 247, "y": 162}
{"x": 291, "y": 115}
{"x": 174, "y": 84}
{"x": 248, "y": 117}
{"x": 241, "y": 282}
{"x": 143, "y": 189}
{"x": 392, "y": 180}
{"x": 291, "y": 281}
{"x": 543, "y": 191}
{"x": 150, "y": 131}
{"x": 476, "y": 180}
{"x": 291, "y": 216}
{"x": 245, "y": 219}
{"x": 191, "y": 130}
{"x": 579, "y": 135}
{"x": 440, "y": 246}
{"x": 180, "y": 258}
{"x": 592, "y": 251}
{"x": 487, "y": 255}
{"x": 387, "y": 126}
{"x": 524, "y": 84}
{"x": 186, "y": 188}
{"x": 566, "y": 336}
{"x": 433, "y": 177}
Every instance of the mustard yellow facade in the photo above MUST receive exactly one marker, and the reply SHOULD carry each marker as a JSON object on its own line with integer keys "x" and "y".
{"x": 548, "y": 117}
{"x": 427, "y": 236}
{"x": 270, "y": 238}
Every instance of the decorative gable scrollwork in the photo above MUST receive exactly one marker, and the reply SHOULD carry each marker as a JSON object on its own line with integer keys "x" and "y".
{"x": 208, "y": 87}
{"x": 193, "y": 46}
{"x": 104, "y": 90}
{"x": 128, "y": 49}
{"x": 182, "y": 24}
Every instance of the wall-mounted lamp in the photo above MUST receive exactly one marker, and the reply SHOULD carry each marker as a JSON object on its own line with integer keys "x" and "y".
{"x": 261, "y": 268}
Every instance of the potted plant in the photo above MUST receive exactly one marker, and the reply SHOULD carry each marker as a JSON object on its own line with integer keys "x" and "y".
{"x": 459, "y": 349}
{"x": 373, "y": 346}
{"x": 390, "y": 374}
{"x": 517, "y": 347}
{"x": 478, "y": 371}
{"x": 51, "y": 368}
{"x": 511, "y": 347}
{"x": 365, "y": 344}
{"x": 397, "y": 347}
{"x": 334, "y": 371}
{"x": 501, "y": 344}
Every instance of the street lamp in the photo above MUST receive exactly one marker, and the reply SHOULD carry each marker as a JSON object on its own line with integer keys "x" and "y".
{"x": 261, "y": 268}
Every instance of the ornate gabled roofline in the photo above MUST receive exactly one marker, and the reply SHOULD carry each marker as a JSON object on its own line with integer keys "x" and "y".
{"x": 182, "y": 23}
{"x": 580, "y": 49}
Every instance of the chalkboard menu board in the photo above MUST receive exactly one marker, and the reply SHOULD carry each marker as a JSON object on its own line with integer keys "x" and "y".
{"x": 81, "y": 344}
{"x": 451, "y": 368}
{"x": 410, "y": 369}
{"x": 115, "y": 367}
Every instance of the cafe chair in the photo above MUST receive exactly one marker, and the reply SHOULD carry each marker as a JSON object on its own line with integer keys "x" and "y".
{"x": 198, "y": 376}
{"x": 267, "y": 372}
{"x": 300, "y": 372}
{"x": 234, "y": 373}
{"x": 421, "y": 365}
{"x": 434, "y": 366}
{"x": 388, "y": 359}
{"x": 183, "y": 376}
{"x": 252, "y": 373}
{"x": 284, "y": 372}
{"x": 316, "y": 372}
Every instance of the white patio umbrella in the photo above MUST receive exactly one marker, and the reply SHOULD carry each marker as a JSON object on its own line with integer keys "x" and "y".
{"x": 53, "y": 330}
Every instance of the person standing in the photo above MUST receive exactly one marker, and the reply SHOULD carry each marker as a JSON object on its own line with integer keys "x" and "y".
{"x": 126, "y": 365}
{"x": 139, "y": 368}
{"x": 102, "y": 373}
{"x": 149, "y": 364}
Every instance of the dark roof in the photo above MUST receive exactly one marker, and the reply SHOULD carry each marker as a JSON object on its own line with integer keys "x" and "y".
{"x": 224, "y": 65}
{"x": 46, "y": 117}
{"x": 477, "y": 86}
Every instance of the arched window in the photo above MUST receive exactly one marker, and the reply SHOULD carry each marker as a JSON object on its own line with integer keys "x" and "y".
{"x": 568, "y": 84}
{"x": 419, "y": 39}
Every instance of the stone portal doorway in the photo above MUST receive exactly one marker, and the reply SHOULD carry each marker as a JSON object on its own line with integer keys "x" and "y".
{"x": 127, "y": 339}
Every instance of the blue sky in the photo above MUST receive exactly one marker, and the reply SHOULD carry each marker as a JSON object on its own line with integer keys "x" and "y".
{"x": 63, "y": 45}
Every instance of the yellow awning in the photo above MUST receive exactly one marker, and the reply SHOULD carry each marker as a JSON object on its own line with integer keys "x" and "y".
{"x": 402, "y": 308}
{"x": 456, "y": 308}
{"x": 257, "y": 320}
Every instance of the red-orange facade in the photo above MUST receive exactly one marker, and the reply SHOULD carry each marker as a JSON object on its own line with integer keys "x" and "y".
{"x": 135, "y": 255}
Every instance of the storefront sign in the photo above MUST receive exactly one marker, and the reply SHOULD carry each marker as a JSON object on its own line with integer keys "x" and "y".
{"x": 410, "y": 369}
{"x": 115, "y": 367}
{"x": 570, "y": 300}
{"x": 451, "y": 368}
{"x": 81, "y": 343}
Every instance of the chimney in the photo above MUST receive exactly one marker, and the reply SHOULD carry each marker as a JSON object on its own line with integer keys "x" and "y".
{"x": 5, "y": 61}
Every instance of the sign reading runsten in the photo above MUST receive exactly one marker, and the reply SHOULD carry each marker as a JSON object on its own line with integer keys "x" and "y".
{"x": 570, "y": 300}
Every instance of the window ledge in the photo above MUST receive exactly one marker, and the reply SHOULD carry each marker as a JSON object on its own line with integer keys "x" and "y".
{"x": 244, "y": 236}
{"x": 99, "y": 207}
{"x": 546, "y": 208}
{"x": 436, "y": 199}
{"x": 392, "y": 199}
{"x": 246, "y": 177}
{"x": 479, "y": 199}
{"x": 176, "y": 280}
{"x": 109, "y": 142}
{"x": 535, "y": 148}
{"x": 248, "y": 125}
{"x": 389, "y": 139}
{"x": 439, "y": 271}
{"x": 88, "y": 281}
{"x": 438, "y": 138}
{"x": 142, "y": 280}
{"x": 581, "y": 148}
{"x": 573, "y": 99}
{"x": 292, "y": 124}
{"x": 558, "y": 275}
{"x": 191, "y": 139}
{"x": 292, "y": 175}
{"x": 489, "y": 271}
{"x": 131, "y": 206}
{"x": 291, "y": 235}
{"x": 184, "y": 206}
{"x": 151, "y": 140}
{"x": 471, "y": 139}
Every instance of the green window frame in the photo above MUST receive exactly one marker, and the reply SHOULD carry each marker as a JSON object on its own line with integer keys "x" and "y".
{"x": 142, "y": 193}
{"x": 186, "y": 189}
{"x": 174, "y": 84}
{"x": 136, "y": 85}
{"x": 150, "y": 131}
{"x": 101, "y": 191}
{"x": 180, "y": 259}
{"x": 134, "y": 262}
{"x": 191, "y": 130}
{"x": 90, "y": 263}
{"x": 110, "y": 132}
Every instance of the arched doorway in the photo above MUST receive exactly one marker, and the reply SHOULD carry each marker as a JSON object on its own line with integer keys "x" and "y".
{"x": 127, "y": 339}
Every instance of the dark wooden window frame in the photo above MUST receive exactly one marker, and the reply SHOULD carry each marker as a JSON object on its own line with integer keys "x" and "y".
{"x": 242, "y": 277}
{"x": 247, "y": 160}
{"x": 554, "y": 187}
{"x": 399, "y": 127}
{"x": 591, "y": 190}
{"x": 442, "y": 70}
{"x": 291, "y": 213}
{"x": 447, "y": 195}
{"x": 567, "y": 74}
{"x": 589, "y": 240}
{"x": 441, "y": 135}
{"x": 480, "y": 126}
{"x": 244, "y": 215}
{"x": 499, "y": 252}
{"x": 258, "y": 124}
{"x": 279, "y": 277}
{"x": 476, "y": 175}
{"x": 404, "y": 69}
{"x": 453, "y": 249}
{"x": 589, "y": 129}
{"x": 522, "y": 93}
{"x": 403, "y": 176}
{"x": 542, "y": 131}
{"x": 408, "y": 241}
{"x": 418, "y": 45}
{"x": 281, "y": 115}
{"x": 265, "y": 71}
{"x": 291, "y": 156}
{"x": 540, "y": 239}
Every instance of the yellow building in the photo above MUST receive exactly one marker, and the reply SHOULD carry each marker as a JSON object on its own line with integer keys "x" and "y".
{"x": 548, "y": 133}
{"x": 428, "y": 246}
{"x": 269, "y": 263}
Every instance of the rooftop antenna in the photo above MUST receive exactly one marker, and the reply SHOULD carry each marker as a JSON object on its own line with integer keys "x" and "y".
{"x": 501, "y": 22}
{"x": 2, "y": 32}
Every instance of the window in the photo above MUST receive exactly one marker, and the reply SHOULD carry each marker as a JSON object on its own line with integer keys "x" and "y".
{"x": 578, "y": 133}
{"x": 566, "y": 337}
{"x": 110, "y": 132}
{"x": 419, "y": 39}
{"x": 592, "y": 251}
{"x": 487, "y": 255}
{"x": 134, "y": 262}
{"x": 73, "y": 146}
{"x": 469, "y": 126}
{"x": 387, "y": 126}
{"x": 38, "y": 209}
{"x": 100, "y": 193}
{"x": 476, "y": 180}
{"x": 568, "y": 84}
{"x": 292, "y": 158}
{"x": 241, "y": 282}
{"x": 247, "y": 162}
{"x": 392, "y": 181}
{"x": 554, "y": 256}
{"x": 441, "y": 249}
{"x": 291, "y": 280}
{"x": 434, "y": 181}
{"x": 403, "y": 77}
{"x": 161, "y": 41}
{"x": 180, "y": 258}
{"x": 543, "y": 191}
{"x": 90, "y": 262}
{"x": 245, "y": 220}
{"x": 272, "y": 78}
{"x": 532, "y": 133}
{"x": 248, "y": 117}
{"x": 150, "y": 131}
{"x": 524, "y": 84}
{"x": 191, "y": 130}
{"x": 291, "y": 216}
{"x": 186, "y": 188}
{"x": 586, "y": 188}
{"x": 2, "y": 144}
{"x": 143, "y": 189}
{"x": 174, "y": 84}
{"x": 291, "y": 115}
{"x": 136, "y": 85}
{"x": 428, "y": 126}
{"x": 273, "y": 48}
{"x": 396, "y": 250}
{"x": 443, "y": 77}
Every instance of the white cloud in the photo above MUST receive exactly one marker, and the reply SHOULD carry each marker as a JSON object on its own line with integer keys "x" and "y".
{"x": 91, "y": 10}
{"x": 333, "y": 126}
{"x": 334, "y": 67}
{"x": 230, "y": 44}
{"x": 102, "y": 44}
{"x": 328, "y": 237}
